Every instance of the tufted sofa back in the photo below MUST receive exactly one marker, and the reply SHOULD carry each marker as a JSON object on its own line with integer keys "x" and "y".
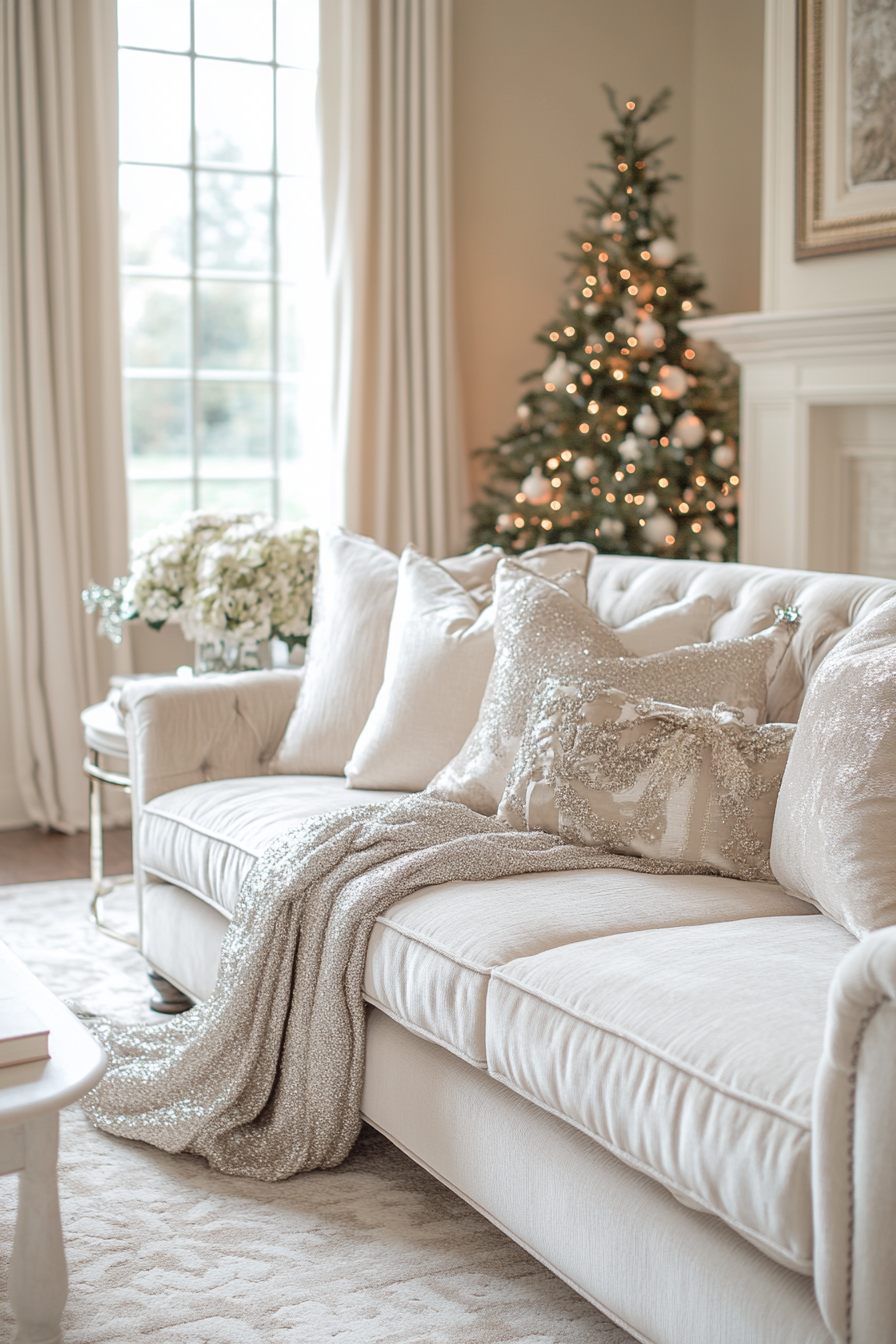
{"x": 744, "y": 600}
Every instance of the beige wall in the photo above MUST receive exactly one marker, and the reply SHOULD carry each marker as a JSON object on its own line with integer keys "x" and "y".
{"x": 529, "y": 112}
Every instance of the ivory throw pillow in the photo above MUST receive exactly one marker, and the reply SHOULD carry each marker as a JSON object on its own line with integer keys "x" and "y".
{"x": 541, "y": 631}
{"x": 692, "y": 786}
{"x": 354, "y": 595}
{"x": 438, "y": 659}
{"x": 354, "y": 592}
{"x": 668, "y": 627}
{"x": 834, "y": 838}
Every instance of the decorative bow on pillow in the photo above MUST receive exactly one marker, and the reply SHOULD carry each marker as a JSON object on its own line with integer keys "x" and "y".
{"x": 597, "y": 766}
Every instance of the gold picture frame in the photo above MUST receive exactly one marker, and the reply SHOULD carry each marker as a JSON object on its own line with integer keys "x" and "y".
{"x": 846, "y": 133}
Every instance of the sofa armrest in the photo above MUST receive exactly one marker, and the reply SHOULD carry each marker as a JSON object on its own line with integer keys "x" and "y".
{"x": 218, "y": 727}
{"x": 854, "y": 1148}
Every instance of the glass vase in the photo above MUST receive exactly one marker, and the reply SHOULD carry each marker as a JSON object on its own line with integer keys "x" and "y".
{"x": 230, "y": 654}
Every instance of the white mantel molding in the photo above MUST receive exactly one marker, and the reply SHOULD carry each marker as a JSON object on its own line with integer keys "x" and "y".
{"x": 793, "y": 363}
{"x": 752, "y": 338}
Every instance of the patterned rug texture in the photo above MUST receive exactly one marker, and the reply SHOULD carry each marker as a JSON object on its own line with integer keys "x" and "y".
{"x": 373, "y": 1252}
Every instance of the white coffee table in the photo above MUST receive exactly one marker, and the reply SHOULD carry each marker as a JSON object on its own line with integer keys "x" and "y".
{"x": 31, "y": 1097}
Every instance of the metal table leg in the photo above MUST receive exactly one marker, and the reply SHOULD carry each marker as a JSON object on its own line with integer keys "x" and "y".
{"x": 102, "y": 885}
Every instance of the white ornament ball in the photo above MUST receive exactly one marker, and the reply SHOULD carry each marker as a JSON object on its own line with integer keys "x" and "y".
{"x": 650, "y": 503}
{"x": 536, "y": 487}
{"x": 724, "y": 456}
{"x": 643, "y": 234}
{"x": 646, "y": 422}
{"x": 583, "y": 468}
{"x": 612, "y": 528}
{"x": 658, "y": 528}
{"x": 673, "y": 382}
{"x": 690, "y": 429}
{"x": 648, "y": 331}
{"x": 714, "y": 540}
{"x": 524, "y": 412}
{"x": 591, "y": 308}
{"x": 561, "y": 371}
{"x": 630, "y": 449}
{"x": 716, "y": 435}
{"x": 505, "y": 522}
{"x": 663, "y": 251}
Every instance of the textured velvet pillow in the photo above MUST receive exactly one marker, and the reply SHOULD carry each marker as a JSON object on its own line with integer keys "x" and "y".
{"x": 691, "y": 786}
{"x": 541, "y": 631}
{"x": 834, "y": 839}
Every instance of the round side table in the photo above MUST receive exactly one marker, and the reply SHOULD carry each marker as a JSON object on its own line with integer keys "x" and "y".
{"x": 103, "y": 736}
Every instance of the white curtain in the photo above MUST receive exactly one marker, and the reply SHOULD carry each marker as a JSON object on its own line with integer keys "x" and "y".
{"x": 63, "y": 516}
{"x": 385, "y": 112}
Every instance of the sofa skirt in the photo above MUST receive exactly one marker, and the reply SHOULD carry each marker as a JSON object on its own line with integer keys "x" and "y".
{"x": 666, "y": 1273}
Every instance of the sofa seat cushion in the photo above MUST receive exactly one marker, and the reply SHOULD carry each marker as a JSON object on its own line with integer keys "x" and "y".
{"x": 689, "y": 1053}
{"x": 208, "y": 837}
{"x": 430, "y": 955}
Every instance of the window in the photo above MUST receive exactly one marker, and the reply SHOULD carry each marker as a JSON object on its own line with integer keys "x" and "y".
{"x": 221, "y": 257}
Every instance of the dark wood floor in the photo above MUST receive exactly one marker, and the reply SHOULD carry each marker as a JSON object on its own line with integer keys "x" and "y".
{"x": 33, "y": 855}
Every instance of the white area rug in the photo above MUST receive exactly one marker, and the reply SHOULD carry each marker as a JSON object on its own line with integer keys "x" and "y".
{"x": 159, "y": 1246}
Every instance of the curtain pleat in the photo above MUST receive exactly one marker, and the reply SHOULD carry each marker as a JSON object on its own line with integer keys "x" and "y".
{"x": 386, "y": 151}
{"x": 63, "y": 514}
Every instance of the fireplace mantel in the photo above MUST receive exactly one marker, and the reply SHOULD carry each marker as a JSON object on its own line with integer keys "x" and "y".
{"x": 818, "y": 409}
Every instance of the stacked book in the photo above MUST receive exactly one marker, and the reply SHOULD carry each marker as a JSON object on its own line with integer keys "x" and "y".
{"x": 23, "y": 1037}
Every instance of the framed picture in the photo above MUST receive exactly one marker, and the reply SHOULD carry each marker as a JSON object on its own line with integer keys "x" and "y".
{"x": 846, "y": 126}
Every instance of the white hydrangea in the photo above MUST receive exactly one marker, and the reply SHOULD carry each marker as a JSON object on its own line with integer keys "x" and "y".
{"x": 225, "y": 574}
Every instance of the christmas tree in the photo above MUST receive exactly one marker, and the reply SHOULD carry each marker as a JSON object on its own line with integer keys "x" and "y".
{"x": 628, "y": 440}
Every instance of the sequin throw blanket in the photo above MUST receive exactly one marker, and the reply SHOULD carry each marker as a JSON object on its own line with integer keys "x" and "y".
{"x": 264, "y": 1078}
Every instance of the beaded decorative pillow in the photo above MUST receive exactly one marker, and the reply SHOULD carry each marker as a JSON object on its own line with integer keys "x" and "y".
{"x": 541, "y": 631}
{"x": 696, "y": 786}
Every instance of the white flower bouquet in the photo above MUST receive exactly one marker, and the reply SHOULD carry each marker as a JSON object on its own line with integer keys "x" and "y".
{"x": 234, "y": 578}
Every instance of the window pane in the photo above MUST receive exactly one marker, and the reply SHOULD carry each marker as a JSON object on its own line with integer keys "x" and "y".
{"x": 234, "y": 429}
{"x": 154, "y": 107}
{"x": 242, "y": 496}
{"x": 153, "y": 502}
{"x": 155, "y": 218}
{"x": 296, "y": 136}
{"x": 304, "y": 483}
{"x": 297, "y": 39}
{"x": 234, "y": 325}
{"x": 234, "y": 222}
{"x": 234, "y": 109}
{"x": 242, "y": 28}
{"x": 299, "y": 228}
{"x": 290, "y": 330}
{"x": 156, "y": 320}
{"x": 154, "y": 23}
{"x": 157, "y": 418}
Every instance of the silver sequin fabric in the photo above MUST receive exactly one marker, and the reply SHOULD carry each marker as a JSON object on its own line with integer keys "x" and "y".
{"x": 541, "y": 632}
{"x": 600, "y": 767}
{"x": 264, "y": 1079}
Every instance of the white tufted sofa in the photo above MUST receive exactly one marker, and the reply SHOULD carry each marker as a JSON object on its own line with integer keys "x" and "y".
{"x": 665, "y": 1088}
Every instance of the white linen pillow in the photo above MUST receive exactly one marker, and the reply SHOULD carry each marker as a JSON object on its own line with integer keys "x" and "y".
{"x": 354, "y": 594}
{"x": 541, "y": 632}
{"x": 834, "y": 838}
{"x": 689, "y": 786}
{"x": 440, "y": 653}
{"x": 668, "y": 627}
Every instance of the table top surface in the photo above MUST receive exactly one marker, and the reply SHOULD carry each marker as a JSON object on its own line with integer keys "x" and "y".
{"x": 77, "y": 1062}
{"x": 104, "y": 730}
